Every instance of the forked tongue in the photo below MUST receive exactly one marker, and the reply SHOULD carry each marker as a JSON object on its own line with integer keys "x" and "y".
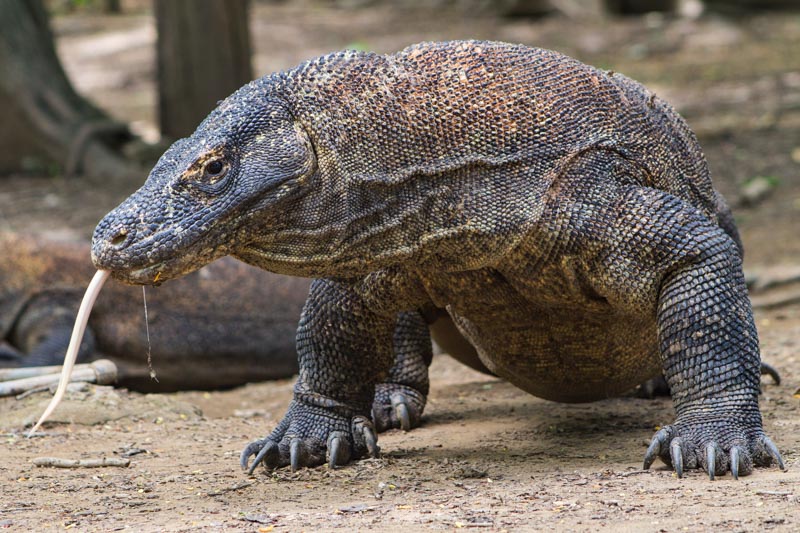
{"x": 74, "y": 343}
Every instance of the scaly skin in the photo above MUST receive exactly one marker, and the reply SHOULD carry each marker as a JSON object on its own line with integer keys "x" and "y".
{"x": 563, "y": 216}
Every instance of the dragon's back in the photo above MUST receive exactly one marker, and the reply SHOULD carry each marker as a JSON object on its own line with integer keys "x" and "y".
{"x": 437, "y": 107}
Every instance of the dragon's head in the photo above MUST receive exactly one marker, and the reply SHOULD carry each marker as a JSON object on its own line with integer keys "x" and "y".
{"x": 198, "y": 203}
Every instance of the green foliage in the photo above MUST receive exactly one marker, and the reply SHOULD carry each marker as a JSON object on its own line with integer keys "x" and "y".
{"x": 38, "y": 166}
{"x": 358, "y": 46}
{"x": 770, "y": 181}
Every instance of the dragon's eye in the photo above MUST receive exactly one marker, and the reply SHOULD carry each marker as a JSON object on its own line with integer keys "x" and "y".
{"x": 214, "y": 169}
{"x": 210, "y": 174}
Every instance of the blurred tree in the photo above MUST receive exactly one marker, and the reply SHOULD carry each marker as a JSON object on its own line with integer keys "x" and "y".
{"x": 44, "y": 119}
{"x": 523, "y": 8}
{"x": 112, "y": 6}
{"x": 638, "y": 7}
{"x": 203, "y": 56}
{"x": 742, "y": 7}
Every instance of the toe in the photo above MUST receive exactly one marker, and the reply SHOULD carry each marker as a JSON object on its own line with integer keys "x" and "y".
{"x": 268, "y": 454}
{"x": 714, "y": 461}
{"x": 372, "y": 443}
{"x": 338, "y": 449}
{"x": 397, "y": 406}
{"x": 740, "y": 463}
{"x": 364, "y": 434}
{"x": 252, "y": 449}
{"x": 772, "y": 452}
{"x": 676, "y": 456}
{"x": 657, "y": 446}
{"x": 401, "y": 411}
{"x": 298, "y": 454}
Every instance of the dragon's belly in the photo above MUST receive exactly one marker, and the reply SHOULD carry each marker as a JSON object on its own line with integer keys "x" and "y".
{"x": 550, "y": 328}
{"x": 567, "y": 355}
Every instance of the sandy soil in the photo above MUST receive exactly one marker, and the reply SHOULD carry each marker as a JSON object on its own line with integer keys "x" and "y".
{"x": 487, "y": 456}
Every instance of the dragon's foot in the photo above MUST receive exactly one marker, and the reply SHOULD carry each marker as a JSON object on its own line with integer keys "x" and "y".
{"x": 310, "y": 435}
{"x": 397, "y": 406}
{"x": 717, "y": 446}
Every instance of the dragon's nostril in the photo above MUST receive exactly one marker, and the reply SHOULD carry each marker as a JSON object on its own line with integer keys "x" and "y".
{"x": 119, "y": 239}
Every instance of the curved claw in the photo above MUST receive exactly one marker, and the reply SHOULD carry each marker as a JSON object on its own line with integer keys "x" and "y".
{"x": 676, "y": 454}
{"x": 334, "y": 450}
{"x": 773, "y": 452}
{"x": 711, "y": 460}
{"x": 269, "y": 451}
{"x": 337, "y": 455}
{"x": 252, "y": 449}
{"x": 654, "y": 450}
{"x": 371, "y": 442}
{"x": 401, "y": 411}
{"x": 735, "y": 462}
{"x": 769, "y": 370}
{"x": 297, "y": 454}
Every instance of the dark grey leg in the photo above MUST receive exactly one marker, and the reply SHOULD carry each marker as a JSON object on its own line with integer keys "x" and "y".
{"x": 344, "y": 350}
{"x": 400, "y": 400}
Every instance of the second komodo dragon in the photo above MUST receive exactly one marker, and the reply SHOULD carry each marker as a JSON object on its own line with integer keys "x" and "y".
{"x": 225, "y": 325}
{"x": 563, "y": 216}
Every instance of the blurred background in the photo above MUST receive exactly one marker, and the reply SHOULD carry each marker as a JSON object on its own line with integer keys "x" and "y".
{"x": 92, "y": 91}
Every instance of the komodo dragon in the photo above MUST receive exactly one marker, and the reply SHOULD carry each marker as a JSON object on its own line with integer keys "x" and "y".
{"x": 222, "y": 326}
{"x": 563, "y": 216}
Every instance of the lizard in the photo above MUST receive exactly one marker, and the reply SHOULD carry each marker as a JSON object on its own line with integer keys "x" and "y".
{"x": 222, "y": 326}
{"x": 563, "y": 217}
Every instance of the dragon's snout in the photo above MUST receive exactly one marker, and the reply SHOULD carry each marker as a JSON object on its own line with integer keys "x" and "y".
{"x": 118, "y": 238}
{"x": 110, "y": 239}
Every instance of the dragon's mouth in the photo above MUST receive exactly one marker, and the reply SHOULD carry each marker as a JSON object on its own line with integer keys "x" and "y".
{"x": 156, "y": 258}
{"x": 153, "y": 273}
{"x": 156, "y": 270}
{"x": 149, "y": 275}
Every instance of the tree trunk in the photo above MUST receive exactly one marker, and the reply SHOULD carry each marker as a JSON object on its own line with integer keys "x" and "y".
{"x": 203, "y": 56}
{"x": 743, "y": 7}
{"x": 112, "y": 7}
{"x": 43, "y": 117}
{"x": 638, "y": 7}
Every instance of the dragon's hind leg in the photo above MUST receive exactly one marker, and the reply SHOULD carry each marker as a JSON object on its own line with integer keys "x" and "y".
{"x": 400, "y": 399}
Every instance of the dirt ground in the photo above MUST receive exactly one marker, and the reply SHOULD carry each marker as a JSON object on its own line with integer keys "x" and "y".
{"x": 487, "y": 455}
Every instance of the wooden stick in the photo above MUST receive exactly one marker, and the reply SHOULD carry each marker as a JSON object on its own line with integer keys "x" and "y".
{"x": 7, "y": 374}
{"x": 81, "y": 463}
{"x": 102, "y": 372}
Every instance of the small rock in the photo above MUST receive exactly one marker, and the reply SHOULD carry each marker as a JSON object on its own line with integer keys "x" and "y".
{"x": 250, "y": 413}
{"x": 258, "y": 518}
{"x": 757, "y": 189}
{"x": 469, "y": 472}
